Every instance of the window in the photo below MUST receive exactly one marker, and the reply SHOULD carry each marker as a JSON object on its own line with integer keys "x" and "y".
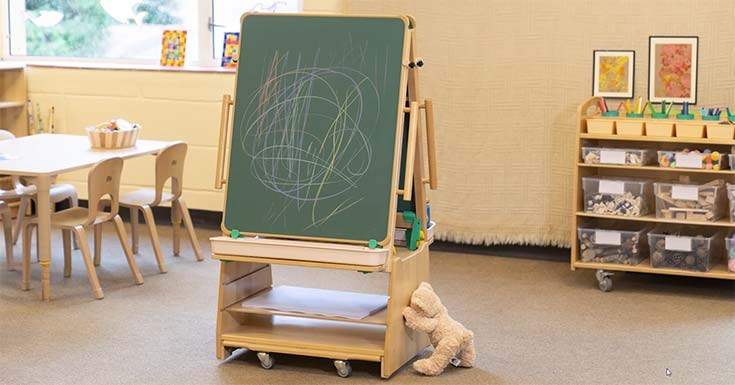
{"x": 127, "y": 30}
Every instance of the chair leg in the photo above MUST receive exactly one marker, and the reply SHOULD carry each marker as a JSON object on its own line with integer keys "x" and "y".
{"x": 134, "y": 228}
{"x": 190, "y": 229}
{"x": 97, "y": 244}
{"x": 74, "y": 202}
{"x": 86, "y": 255}
{"x": 22, "y": 209}
{"x": 8, "y": 231}
{"x": 120, "y": 227}
{"x": 151, "y": 225}
{"x": 27, "y": 230}
{"x": 176, "y": 226}
{"x": 66, "y": 238}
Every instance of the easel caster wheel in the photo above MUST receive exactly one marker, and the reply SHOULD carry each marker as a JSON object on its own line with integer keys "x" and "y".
{"x": 344, "y": 369}
{"x": 606, "y": 284}
{"x": 266, "y": 360}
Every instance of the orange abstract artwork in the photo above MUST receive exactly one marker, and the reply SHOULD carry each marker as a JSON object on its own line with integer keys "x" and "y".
{"x": 673, "y": 70}
{"x": 613, "y": 74}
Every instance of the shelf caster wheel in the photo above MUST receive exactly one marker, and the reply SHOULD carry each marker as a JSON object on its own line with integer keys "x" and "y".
{"x": 604, "y": 278}
{"x": 266, "y": 360}
{"x": 344, "y": 369}
{"x": 229, "y": 350}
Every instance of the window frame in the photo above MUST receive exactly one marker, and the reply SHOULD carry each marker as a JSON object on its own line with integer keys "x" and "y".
{"x": 205, "y": 9}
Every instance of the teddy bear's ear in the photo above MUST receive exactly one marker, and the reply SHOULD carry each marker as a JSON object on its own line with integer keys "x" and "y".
{"x": 426, "y": 285}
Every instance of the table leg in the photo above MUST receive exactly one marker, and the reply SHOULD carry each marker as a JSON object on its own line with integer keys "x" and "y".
{"x": 43, "y": 183}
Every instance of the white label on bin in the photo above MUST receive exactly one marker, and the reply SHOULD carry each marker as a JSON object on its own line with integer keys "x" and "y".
{"x": 612, "y": 187}
{"x": 612, "y": 157}
{"x": 603, "y": 237}
{"x": 688, "y": 160}
{"x": 678, "y": 243}
{"x": 687, "y": 193}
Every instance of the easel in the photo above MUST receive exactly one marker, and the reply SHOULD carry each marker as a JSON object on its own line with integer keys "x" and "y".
{"x": 382, "y": 337}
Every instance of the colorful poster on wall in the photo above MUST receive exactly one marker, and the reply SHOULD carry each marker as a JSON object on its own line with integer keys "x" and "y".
{"x": 173, "y": 48}
{"x": 613, "y": 73}
{"x": 230, "y": 50}
{"x": 672, "y": 68}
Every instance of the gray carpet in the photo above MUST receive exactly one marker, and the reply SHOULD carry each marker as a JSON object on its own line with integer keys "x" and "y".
{"x": 535, "y": 322}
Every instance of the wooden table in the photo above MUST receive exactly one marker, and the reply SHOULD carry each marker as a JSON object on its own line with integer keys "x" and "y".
{"x": 42, "y": 157}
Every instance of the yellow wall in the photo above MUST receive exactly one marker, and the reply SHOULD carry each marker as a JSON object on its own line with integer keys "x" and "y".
{"x": 169, "y": 105}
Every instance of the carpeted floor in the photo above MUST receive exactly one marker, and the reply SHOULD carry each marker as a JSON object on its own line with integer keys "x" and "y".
{"x": 535, "y": 322}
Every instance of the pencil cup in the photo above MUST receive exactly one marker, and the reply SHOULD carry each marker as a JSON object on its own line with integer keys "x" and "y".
{"x": 711, "y": 117}
{"x": 659, "y": 115}
{"x": 631, "y": 126}
{"x": 685, "y": 116}
{"x": 611, "y": 114}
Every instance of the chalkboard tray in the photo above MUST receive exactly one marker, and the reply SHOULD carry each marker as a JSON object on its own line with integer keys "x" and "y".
{"x": 317, "y": 127}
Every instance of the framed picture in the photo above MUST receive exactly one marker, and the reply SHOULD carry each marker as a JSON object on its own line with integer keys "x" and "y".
{"x": 173, "y": 48}
{"x": 229, "y": 50}
{"x": 613, "y": 73}
{"x": 672, "y": 68}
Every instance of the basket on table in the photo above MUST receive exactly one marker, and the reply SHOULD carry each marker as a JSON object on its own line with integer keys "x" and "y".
{"x": 117, "y": 133}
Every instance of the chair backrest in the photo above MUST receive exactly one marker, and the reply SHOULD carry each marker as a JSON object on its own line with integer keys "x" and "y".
{"x": 10, "y": 186}
{"x": 5, "y": 135}
{"x": 104, "y": 179}
{"x": 170, "y": 165}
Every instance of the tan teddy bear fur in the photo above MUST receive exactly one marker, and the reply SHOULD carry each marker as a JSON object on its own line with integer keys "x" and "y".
{"x": 450, "y": 339}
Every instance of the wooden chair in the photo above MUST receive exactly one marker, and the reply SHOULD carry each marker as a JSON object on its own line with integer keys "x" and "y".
{"x": 169, "y": 165}
{"x": 103, "y": 180}
{"x": 27, "y": 193}
{"x": 8, "y": 231}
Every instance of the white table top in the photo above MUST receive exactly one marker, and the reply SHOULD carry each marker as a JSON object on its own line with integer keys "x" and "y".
{"x": 53, "y": 154}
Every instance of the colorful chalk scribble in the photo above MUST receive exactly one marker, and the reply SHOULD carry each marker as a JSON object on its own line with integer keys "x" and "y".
{"x": 613, "y": 72}
{"x": 673, "y": 70}
{"x": 306, "y": 135}
{"x": 173, "y": 48}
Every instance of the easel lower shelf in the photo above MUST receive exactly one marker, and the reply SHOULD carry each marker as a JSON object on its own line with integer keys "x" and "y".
{"x": 718, "y": 271}
{"x": 378, "y": 318}
{"x": 312, "y": 337}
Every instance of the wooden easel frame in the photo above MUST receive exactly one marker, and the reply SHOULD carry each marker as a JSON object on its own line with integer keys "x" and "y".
{"x": 382, "y": 337}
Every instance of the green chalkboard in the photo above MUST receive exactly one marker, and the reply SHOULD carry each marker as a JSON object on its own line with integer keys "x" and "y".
{"x": 315, "y": 125}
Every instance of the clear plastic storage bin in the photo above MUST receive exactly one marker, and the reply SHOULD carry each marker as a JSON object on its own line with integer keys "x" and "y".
{"x": 730, "y": 246}
{"x": 690, "y": 202}
{"x": 620, "y": 156}
{"x": 731, "y": 201}
{"x": 685, "y": 249}
{"x": 694, "y": 159}
{"x": 611, "y": 246}
{"x": 616, "y": 196}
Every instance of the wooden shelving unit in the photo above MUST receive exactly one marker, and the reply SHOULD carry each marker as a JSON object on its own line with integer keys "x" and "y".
{"x": 13, "y": 96}
{"x": 587, "y": 219}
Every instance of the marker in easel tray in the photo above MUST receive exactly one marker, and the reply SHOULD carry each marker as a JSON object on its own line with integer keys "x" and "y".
{"x": 685, "y": 108}
{"x": 602, "y": 104}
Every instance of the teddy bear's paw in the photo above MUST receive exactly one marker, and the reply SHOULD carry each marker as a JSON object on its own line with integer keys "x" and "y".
{"x": 428, "y": 367}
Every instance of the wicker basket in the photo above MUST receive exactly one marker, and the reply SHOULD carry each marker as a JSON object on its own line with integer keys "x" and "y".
{"x": 112, "y": 139}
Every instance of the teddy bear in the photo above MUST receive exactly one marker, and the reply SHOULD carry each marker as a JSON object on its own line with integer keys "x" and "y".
{"x": 452, "y": 342}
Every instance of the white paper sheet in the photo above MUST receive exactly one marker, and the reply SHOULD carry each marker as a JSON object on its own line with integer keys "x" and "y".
{"x": 328, "y": 303}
